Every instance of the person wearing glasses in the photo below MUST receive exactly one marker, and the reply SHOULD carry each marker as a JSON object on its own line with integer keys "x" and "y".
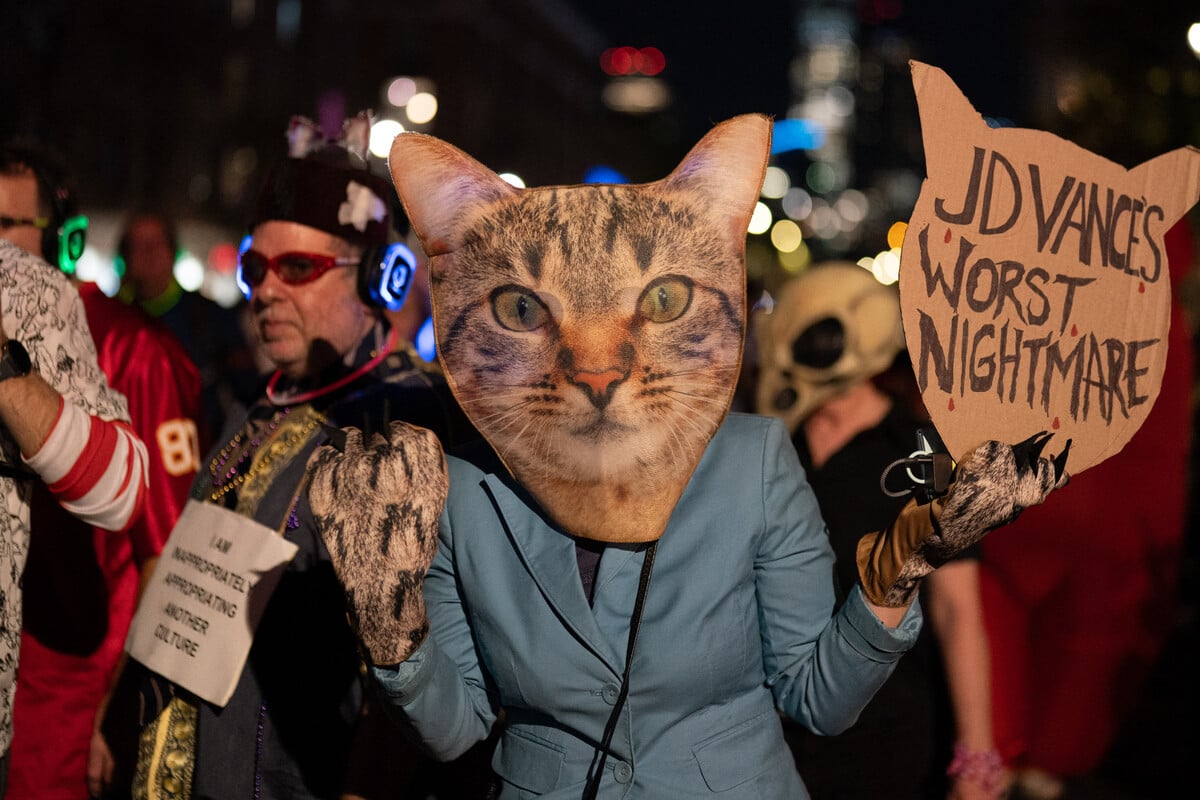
{"x": 321, "y": 266}
{"x": 61, "y": 422}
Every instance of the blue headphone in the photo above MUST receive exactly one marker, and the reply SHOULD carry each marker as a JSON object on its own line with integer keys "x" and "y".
{"x": 385, "y": 274}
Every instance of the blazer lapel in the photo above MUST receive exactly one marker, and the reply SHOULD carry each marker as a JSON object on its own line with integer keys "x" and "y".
{"x": 549, "y": 556}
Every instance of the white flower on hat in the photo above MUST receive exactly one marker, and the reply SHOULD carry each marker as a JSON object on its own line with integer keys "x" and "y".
{"x": 360, "y": 207}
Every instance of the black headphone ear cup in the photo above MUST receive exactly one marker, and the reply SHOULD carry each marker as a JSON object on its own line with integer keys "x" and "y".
{"x": 51, "y": 247}
{"x": 370, "y": 273}
{"x": 385, "y": 275}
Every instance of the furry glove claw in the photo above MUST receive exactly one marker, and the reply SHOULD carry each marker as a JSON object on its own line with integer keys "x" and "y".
{"x": 377, "y": 504}
{"x": 993, "y": 484}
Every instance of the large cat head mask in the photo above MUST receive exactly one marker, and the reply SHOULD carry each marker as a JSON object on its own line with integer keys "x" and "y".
{"x": 593, "y": 333}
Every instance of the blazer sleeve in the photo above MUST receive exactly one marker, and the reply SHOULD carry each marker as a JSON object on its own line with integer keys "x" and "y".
{"x": 822, "y": 669}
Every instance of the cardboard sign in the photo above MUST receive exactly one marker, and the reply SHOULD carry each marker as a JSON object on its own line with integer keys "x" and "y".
{"x": 196, "y": 620}
{"x": 1034, "y": 283}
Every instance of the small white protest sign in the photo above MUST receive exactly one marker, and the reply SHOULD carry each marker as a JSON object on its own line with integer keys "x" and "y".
{"x": 196, "y": 621}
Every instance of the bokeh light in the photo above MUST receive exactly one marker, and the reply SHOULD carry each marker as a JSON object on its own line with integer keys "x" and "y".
{"x": 775, "y": 182}
{"x": 383, "y": 133}
{"x": 95, "y": 269}
{"x": 885, "y": 266}
{"x": 513, "y": 179}
{"x": 797, "y": 203}
{"x": 853, "y": 206}
{"x": 602, "y": 173}
{"x": 189, "y": 272}
{"x": 223, "y": 257}
{"x": 785, "y": 235}
{"x": 425, "y": 342}
{"x": 632, "y": 61}
{"x": 796, "y": 260}
{"x": 400, "y": 91}
{"x": 421, "y": 108}
{"x": 820, "y": 177}
{"x": 636, "y": 94}
{"x": 760, "y": 220}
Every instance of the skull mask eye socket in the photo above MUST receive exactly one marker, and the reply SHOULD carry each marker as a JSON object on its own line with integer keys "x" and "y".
{"x": 821, "y": 344}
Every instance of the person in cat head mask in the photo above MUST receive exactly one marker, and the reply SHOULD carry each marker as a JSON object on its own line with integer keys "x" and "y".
{"x": 633, "y": 578}
{"x": 827, "y": 344}
{"x": 322, "y": 262}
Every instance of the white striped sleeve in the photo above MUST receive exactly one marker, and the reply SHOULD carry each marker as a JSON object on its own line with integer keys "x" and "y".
{"x": 96, "y": 468}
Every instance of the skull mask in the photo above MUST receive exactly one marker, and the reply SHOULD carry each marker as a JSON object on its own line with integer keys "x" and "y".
{"x": 829, "y": 329}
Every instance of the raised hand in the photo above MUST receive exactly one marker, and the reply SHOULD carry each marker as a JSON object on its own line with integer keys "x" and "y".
{"x": 377, "y": 505}
{"x": 993, "y": 484}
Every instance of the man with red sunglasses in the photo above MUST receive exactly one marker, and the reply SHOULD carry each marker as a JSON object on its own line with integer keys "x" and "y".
{"x": 322, "y": 227}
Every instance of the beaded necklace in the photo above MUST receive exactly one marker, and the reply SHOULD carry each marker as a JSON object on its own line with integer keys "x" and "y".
{"x": 218, "y": 462}
{"x": 236, "y": 475}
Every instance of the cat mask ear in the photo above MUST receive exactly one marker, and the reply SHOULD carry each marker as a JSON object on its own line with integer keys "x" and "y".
{"x": 441, "y": 187}
{"x": 593, "y": 334}
{"x": 728, "y": 165}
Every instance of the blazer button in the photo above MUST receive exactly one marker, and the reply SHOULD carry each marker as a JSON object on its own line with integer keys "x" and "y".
{"x": 623, "y": 772}
{"x": 610, "y": 692}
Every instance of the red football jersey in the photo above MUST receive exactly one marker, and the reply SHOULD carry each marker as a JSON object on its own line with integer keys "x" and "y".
{"x": 81, "y": 584}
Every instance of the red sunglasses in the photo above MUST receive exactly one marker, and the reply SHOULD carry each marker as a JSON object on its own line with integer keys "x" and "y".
{"x": 293, "y": 268}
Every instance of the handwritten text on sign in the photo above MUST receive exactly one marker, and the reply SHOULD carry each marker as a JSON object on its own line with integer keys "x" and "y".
{"x": 1034, "y": 281}
{"x": 196, "y": 620}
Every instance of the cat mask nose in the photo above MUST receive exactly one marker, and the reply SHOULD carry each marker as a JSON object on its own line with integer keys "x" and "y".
{"x": 599, "y": 386}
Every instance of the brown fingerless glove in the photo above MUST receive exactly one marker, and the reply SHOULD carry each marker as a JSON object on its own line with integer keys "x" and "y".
{"x": 377, "y": 506}
{"x": 994, "y": 483}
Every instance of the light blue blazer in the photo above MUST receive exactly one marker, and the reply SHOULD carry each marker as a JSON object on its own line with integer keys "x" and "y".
{"x": 738, "y": 621}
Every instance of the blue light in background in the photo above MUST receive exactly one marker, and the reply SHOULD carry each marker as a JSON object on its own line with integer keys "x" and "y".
{"x": 603, "y": 174}
{"x": 247, "y": 240}
{"x": 426, "y": 344}
{"x": 796, "y": 134}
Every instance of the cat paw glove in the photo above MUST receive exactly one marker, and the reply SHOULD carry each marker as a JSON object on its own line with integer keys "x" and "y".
{"x": 376, "y": 504}
{"x": 993, "y": 484}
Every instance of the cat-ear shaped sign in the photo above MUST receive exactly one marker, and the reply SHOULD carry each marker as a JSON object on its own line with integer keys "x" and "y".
{"x": 1034, "y": 282}
{"x": 593, "y": 334}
